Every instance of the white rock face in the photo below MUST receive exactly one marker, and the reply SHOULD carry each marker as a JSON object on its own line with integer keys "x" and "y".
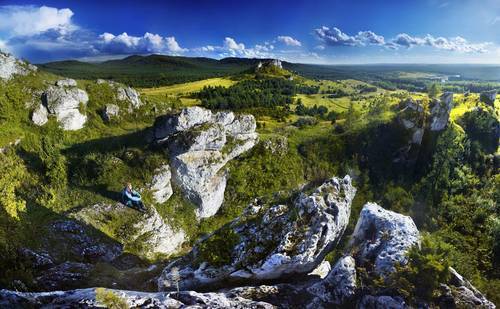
{"x": 383, "y": 237}
{"x": 464, "y": 294}
{"x": 86, "y": 298}
{"x": 161, "y": 185}
{"x": 66, "y": 83}
{"x": 64, "y": 101}
{"x": 440, "y": 112}
{"x": 337, "y": 287}
{"x": 322, "y": 270}
{"x": 110, "y": 111}
{"x": 40, "y": 115}
{"x": 200, "y": 145}
{"x": 10, "y": 66}
{"x": 154, "y": 234}
{"x": 279, "y": 241}
{"x": 128, "y": 94}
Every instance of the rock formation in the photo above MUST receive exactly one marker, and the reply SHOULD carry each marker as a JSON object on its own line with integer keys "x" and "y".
{"x": 383, "y": 237}
{"x": 200, "y": 144}
{"x": 155, "y": 235}
{"x": 110, "y": 111}
{"x": 271, "y": 242}
{"x": 160, "y": 185}
{"x": 440, "y": 111}
{"x": 40, "y": 115}
{"x": 64, "y": 101}
{"x": 488, "y": 97}
{"x": 10, "y": 66}
{"x": 124, "y": 93}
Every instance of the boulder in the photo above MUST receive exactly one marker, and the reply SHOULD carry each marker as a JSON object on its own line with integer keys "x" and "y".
{"x": 63, "y": 101}
{"x": 383, "y": 237}
{"x": 147, "y": 230}
{"x": 276, "y": 242}
{"x": 125, "y": 93}
{"x": 66, "y": 83}
{"x": 10, "y": 66}
{"x": 110, "y": 111}
{"x": 200, "y": 144}
{"x": 440, "y": 112}
{"x": 160, "y": 185}
{"x": 488, "y": 97}
{"x": 40, "y": 115}
{"x": 90, "y": 298}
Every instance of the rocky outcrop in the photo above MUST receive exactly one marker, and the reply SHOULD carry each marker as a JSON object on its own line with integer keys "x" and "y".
{"x": 10, "y": 66}
{"x": 383, "y": 238}
{"x": 161, "y": 185}
{"x": 124, "y": 93}
{"x": 40, "y": 115}
{"x": 64, "y": 101}
{"x": 109, "y": 112}
{"x": 382, "y": 302}
{"x": 488, "y": 97}
{"x": 200, "y": 144}
{"x": 273, "y": 242}
{"x": 89, "y": 298}
{"x": 147, "y": 230}
{"x": 440, "y": 111}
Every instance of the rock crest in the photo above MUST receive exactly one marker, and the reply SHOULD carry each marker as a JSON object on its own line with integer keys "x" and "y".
{"x": 10, "y": 66}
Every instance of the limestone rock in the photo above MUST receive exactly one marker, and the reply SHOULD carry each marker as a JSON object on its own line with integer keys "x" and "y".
{"x": 64, "y": 100}
{"x": 38, "y": 260}
{"x": 383, "y": 237}
{"x": 125, "y": 93}
{"x": 464, "y": 294}
{"x": 110, "y": 111}
{"x": 154, "y": 234}
{"x": 10, "y": 66}
{"x": 382, "y": 302}
{"x": 322, "y": 270}
{"x": 488, "y": 97}
{"x": 440, "y": 111}
{"x": 200, "y": 144}
{"x": 40, "y": 115}
{"x": 64, "y": 276}
{"x": 66, "y": 83}
{"x": 338, "y": 287}
{"x": 161, "y": 185}
{"x": 280, "y": 241}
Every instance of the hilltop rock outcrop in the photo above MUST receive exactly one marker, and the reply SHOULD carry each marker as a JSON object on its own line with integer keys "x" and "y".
{"x": 383, "y": 237}
{"x": 154, "y": 234}
{"x": 11, "y": 66}
{"x": 200, "y": 144}
{"x": 440, "y": 111}
{"x": 272, "y": 242}
{"x": 64, "y": 101}
{"x": 124, "y": 93}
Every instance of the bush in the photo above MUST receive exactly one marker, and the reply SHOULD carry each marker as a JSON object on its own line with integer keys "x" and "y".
{"x": 109, "y": 299}
{"x": 218, "y": 249}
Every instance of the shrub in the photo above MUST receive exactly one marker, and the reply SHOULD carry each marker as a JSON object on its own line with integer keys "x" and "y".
{"x": 110, "y": 299}
{"x": 217, "y": 250}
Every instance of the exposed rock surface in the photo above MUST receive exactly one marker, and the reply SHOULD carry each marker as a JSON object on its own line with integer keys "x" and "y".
{"x": 10, "y": 66}
{"x": 155, "y": 235}
{"x": 86, "y": 298}
{"x": 383, "y": 237}
{"x": 64, "y": 276}
{"x": 161, "y": 185}
{"x": 40, "y": 115}
{"x": 489, "y": 97}
{"x": 63, "y": 101}
{"x": 200, "y": 144}
{"x": 440, "y": 111}
{"x": 124, "y": 93}
{"x": 382, "y": 302}
{"x": 277, "y": 242}
{"x": 110, "y": 111}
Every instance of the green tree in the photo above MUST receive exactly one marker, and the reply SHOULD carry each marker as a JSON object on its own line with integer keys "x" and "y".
{"x": 433, "y": 90}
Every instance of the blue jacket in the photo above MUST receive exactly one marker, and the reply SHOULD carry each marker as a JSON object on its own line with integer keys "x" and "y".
{"x": 132, "y": 196}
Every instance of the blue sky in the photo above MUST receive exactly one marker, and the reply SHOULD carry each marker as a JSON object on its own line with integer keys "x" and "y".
{"x": 405, "y": 31}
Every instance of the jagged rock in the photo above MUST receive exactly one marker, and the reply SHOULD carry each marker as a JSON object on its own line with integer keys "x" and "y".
{"x": 200, "y": 144}
{"x": 383, "y": 237}
{"x": 66, "y": 83}
{"x": 338, "y": 287}
{"x": 322, "y": 270}
{"x": 10, "y": 66}
{"x": 64, "y": 100}
{"x": 38, "y": 260}
{"x": 440, "y": 111}
{"x": 64, "y": 276}
{"x": 110, "y": 111}
{"x": 86, "y": 298}
{"x": 154, "y": 234}
{"x": 129, "y": 94}
{"x": 160, "y": 185}
{"x": 278, "y": 242}
{"x": 40, "y": 115}
{"x": 488, "y": 97}
{"x": 462, "y": 294}
{"x": 382, "y": 302}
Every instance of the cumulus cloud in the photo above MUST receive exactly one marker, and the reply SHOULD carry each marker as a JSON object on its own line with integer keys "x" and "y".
{"x": 31, "y": 20}
{"x": 128, "y": 44}
{"x": 288, "y": 40}
{"x": 335, "y": 37}
{"x": 231, "y": 44}
{"x": 232, "y": 48}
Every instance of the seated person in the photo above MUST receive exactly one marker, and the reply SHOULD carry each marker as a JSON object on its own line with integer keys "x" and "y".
{"x": 131, "y": 197}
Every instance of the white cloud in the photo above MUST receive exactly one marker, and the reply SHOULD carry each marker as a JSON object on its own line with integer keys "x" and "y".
{"x": 173, "y": 46}
{"x": 288, "y": 40}
{"x": 495, "y": 20}
{"x": 127, "y": 44}
{"x": 31, "y": 20}
{"x": 335, "y": 37}
{"x": 231, "y": 44}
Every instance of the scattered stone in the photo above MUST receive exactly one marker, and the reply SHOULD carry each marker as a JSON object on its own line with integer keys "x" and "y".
{"x": 280, "y": 241}
{"x": 383, "y": 237}
{"x": 40, "y": 115}
{"x": 129, "y": 94}
{"x": 161, "y": 185}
